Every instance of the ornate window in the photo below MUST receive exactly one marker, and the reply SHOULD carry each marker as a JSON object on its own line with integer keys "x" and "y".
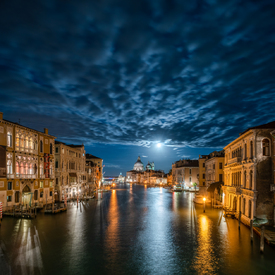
{"x": 244, "y": 184}
{"x": 245, "y": 151}
{"x": 251, "y": 179}
{"x": 41, "y": 146}
{"x": 41, "y": 169}
{"x": 17, "y": 168}
{"x": 265, "y": 145}
{"x": 17, "y": 140}
{"x": 26, "y": 142}
{"x": 21, "y": 168}
{"x": 21, "y": 141}
{"x": 31, "y": 169}
{"x": 26, "y": 168}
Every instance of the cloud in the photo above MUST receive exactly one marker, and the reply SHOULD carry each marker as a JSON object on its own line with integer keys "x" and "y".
{"x": 116, "y": 72}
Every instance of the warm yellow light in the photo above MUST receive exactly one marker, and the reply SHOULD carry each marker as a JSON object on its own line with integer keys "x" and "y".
{"x": 204, "y": 199}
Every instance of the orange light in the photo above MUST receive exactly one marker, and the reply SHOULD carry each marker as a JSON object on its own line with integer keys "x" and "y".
{"x": 204, "y": 199}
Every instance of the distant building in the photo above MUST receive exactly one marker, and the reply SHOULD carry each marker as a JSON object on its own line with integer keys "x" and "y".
{"x": 26, "y": 165}
{"x": 185, "y": 172}
{"x": 147, "y": 176}
{"x": 94, "y": 169}
{"x": 70, "y": 171}
{"x": 249, "y": 174}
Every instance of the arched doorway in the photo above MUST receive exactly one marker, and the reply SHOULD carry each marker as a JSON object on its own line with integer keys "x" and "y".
{"x": 26, "y": 196}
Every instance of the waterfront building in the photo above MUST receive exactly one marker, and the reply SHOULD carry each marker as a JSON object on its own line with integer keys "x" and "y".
{"x": 70, "y": 171}
{"x": 145, "y": 176}
{"x": 185, "y": 172}
{"x": 26, "y": 165}
{"x": 249, "y": 174}
{"x": 202, "y": 178}
{"x": 94, "y": 171}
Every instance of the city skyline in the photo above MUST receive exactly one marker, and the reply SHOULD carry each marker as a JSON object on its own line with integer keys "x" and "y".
{"x": 123, "y": 77}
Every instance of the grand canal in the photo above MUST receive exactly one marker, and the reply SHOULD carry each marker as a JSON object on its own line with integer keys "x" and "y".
{"x": 132, "y": 230}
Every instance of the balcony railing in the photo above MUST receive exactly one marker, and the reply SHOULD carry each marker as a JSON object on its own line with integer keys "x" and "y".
{"x": 234, "y": 160}
{"x": 23, "y": 176}
{"x": 10, "y": 176}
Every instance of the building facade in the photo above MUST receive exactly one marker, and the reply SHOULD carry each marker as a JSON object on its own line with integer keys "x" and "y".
{"x": 249, "y": 174}
{"x": 69, "y": 171}
{"x": 94, "y": 167}
{"x": 185, "y": 173}
{"x": 26, "y": 165}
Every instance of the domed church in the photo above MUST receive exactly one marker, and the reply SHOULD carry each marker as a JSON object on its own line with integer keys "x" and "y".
{"x": 138, "y": 166}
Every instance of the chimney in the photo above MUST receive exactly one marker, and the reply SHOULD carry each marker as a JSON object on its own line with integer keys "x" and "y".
{"x": 1, "y": 115}
{"x": 46, "y": 131}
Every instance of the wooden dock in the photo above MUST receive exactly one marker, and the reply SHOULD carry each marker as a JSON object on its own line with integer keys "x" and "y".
{"x": 55, "y": 211}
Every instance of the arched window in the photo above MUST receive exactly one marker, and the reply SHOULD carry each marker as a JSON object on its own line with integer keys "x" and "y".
{"x": 51, "y": 169}
{"x": 31, "y": 143}
{"x": 9, "y": 167}
{"x": 9, "y": 141}
{"x": 17, "y": 140}
{"x": 245, "y": 151}
{"x": 22, "y": 168}
{"x": 244, "y": 206}
{"x": 22, "y": 141}
{"x": 41, "y": 146}
{"x": 51, "y": 148}
{"x": 26, "y": 142}
{"x": 265, "y": 144}
{"x": 41, "y": 169}
{"x": 17, "y": 168}
{"x": 31, "y": 169}
{"x": 244, "y": 178}
{"x": 251, "y": 179}
{"x": 251, "y": 149}
{"x": 34, "y": 169}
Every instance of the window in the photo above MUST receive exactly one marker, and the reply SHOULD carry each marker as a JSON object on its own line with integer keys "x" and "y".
{"x": 244, "y": 184}
{"x": 51, "y": 193}
{"x": 220, "y": 177}
{"x": 26, "y": 142}
{"x": 63, "y": 150}
{"x": 190, "y": 170}
{"x": 265, "y": 144}
{"x": 245, "y": 151}
{"x": 214, "y": 166}
{"x": 56, "y": 164}
{"x": 203, "y": 183}
{"x": 249, "y": 209}
{"x": 17, "y": 194}
{"x": 41, "y": 194}
{"x": 30, "y": 169}
{"x": 17, "y": 140}
{"x": 41, "y": 146}
{"x": 17, "y": 168}
{"x": 56, "y": 149}
{"x": 190, "y": 179}
{"x": 203, "y": 165}
{"x": 51, "y": 184}
{"x": 22, "y": 168}
{"x": 251, "y": 179}
{"x": 203, "y": 176}
{"x": 41, "y": 169}
{"x": 31, "y": 143}
{"x": 244, "y": 206}
{"x": 35, "y": 195}
{"x": 21, "y": 141}
{"x": 9, "y": 167}
{"x": 220, "y": 165}
{"x": 9, "y": 141}
{"x": 9, "y": 198}
{"x": 9, "y": 185}
{"x": 41, "y": 184}
{"x": 51, "y": 148}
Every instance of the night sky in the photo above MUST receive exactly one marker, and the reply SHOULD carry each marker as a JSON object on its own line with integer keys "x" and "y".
{"x": 122, "y": 76}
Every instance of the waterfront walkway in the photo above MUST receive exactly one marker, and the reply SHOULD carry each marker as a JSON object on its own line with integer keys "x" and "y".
{"x": 269, "y": 234}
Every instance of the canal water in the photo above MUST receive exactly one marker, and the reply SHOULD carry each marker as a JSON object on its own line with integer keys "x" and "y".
{"x": 132, "y": 230}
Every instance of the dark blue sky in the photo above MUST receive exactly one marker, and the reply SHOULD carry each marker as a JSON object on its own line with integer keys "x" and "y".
{"x": 120, "y": 76}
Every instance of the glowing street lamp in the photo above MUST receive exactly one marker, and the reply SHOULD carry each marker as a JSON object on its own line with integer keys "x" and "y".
{"x": 204, "y": 199}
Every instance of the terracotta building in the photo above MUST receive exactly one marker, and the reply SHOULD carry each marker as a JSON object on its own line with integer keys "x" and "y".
{"x": 26, "y": 165}
{"x": 249, "y": 174}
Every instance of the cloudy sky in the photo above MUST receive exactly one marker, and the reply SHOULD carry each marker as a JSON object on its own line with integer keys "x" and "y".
{"x": 122, "y": 76}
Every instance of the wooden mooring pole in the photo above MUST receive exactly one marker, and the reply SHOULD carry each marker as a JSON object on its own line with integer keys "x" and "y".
{"x": 262, "y": 240}
{"x": 0, "y": 213}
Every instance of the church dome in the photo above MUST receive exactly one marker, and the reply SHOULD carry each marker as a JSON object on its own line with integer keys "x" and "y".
{"x": 148, "y": 166}
{"x": 138, "y": 165}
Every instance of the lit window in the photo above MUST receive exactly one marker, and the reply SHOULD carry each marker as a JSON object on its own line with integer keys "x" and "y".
{"x": 9, "y": 141}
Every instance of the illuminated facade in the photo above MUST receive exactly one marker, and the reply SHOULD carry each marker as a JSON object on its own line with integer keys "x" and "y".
{"x": 185, "y": 173}
{"x": 69, "y": 171}
{"x": 248, "y": 174}
{"x": 26, "y": 165}
{"x": 94, "y": 167}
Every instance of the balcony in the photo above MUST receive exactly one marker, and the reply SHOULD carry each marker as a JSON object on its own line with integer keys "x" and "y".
{"x": 10, "y": 176}
{"x": 236, "y": 160}
{"x": 234, "y": 189}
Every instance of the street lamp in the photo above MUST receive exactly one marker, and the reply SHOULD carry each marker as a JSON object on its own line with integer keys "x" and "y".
{"x": 204, "y": 199}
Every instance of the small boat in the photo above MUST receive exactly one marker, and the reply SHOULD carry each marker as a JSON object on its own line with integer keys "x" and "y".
{"x": 177, "y": 188}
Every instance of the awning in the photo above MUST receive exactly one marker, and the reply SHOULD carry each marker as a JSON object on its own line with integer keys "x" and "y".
{"x": 214, "y": 185}
{"x": 73, "y": 175}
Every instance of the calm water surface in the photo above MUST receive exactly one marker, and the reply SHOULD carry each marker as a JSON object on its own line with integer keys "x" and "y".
{"x": 132, "y": 230}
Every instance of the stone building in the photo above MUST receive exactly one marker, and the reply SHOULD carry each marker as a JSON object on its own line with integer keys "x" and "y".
{"x": 94, "y": 171}
{"x": 202, "y": 179}
{"x": 26, "y": 165}
{"x": 249, "y": 174}
{"x": 69, "y": 171}
{"x": 185, "y": 172}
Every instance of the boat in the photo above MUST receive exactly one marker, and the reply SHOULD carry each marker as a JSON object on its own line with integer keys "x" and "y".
{"x": 177, "y": 188}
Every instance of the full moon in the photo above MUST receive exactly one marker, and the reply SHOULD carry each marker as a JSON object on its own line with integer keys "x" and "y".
{"x": 159, "y": 145}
